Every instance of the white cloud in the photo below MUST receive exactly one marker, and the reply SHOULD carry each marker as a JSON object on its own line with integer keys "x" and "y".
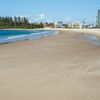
{"x": 39, "y": 17}
{"x": 36, "y": 18}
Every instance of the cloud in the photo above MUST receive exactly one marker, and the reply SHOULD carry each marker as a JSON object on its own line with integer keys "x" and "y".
{"x": 36, "y": 18}
{"x": 39, "y": 17}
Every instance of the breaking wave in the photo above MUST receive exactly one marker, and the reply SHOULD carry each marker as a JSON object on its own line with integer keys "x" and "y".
{"x": 7, "y": 36}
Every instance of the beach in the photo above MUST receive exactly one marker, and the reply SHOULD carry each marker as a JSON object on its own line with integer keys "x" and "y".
{"x": 59, "y": 67}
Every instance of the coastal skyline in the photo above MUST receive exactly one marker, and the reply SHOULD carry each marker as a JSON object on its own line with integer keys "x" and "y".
{"x": 52, "y": 10}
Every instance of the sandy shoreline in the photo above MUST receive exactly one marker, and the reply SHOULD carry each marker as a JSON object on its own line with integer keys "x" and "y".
{"x": 59, "y": 67}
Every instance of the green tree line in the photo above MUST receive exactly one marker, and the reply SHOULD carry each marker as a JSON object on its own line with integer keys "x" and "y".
{"x": 18, "y": 22}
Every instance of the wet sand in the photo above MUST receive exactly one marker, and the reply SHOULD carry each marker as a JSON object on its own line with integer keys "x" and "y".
{"x": 59, "y": 67}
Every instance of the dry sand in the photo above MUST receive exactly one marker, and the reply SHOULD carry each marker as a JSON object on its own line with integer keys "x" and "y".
{"x": 59, "y": 67}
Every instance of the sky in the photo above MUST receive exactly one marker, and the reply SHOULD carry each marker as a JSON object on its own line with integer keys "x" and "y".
{"x": 52, "y": 10}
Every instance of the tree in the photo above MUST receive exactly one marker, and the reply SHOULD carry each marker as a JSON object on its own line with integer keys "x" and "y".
{"x": 18, "y": 22}
{"x": 15, "y": 21}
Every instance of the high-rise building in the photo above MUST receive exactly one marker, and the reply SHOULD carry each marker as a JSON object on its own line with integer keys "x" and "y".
{"x": 98, "y": 19}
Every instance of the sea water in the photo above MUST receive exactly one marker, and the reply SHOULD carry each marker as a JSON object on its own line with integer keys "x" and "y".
{"x": 91, "y": 38}
{"x": 7, "y": 36}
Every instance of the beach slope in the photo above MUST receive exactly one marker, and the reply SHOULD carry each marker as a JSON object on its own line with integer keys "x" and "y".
{"x": 59, "y": 67}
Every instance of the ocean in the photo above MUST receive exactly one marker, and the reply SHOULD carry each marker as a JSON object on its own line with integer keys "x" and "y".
{"x": 7, "y": 36}
{"x": 91, "y": 38}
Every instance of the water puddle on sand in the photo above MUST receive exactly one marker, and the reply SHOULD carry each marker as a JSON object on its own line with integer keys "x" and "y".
{"x": 91, "y": 38}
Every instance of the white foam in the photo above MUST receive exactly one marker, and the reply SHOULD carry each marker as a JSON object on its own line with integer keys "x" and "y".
{"x": 19, "y": 36}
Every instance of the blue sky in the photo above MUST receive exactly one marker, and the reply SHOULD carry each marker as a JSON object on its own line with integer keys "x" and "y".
{"x": 51, "y": 10}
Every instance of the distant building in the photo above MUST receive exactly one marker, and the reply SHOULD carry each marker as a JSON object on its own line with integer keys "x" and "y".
{"x": 70, "y": 24}
{"x": 55, "y": 24}
{"x": 83, "y": 24}
{"x": 78, "y": 25}
{"x": 58, "y": 24}
{"x": 48, "y": 25}
{"x": 98, "y": 19}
